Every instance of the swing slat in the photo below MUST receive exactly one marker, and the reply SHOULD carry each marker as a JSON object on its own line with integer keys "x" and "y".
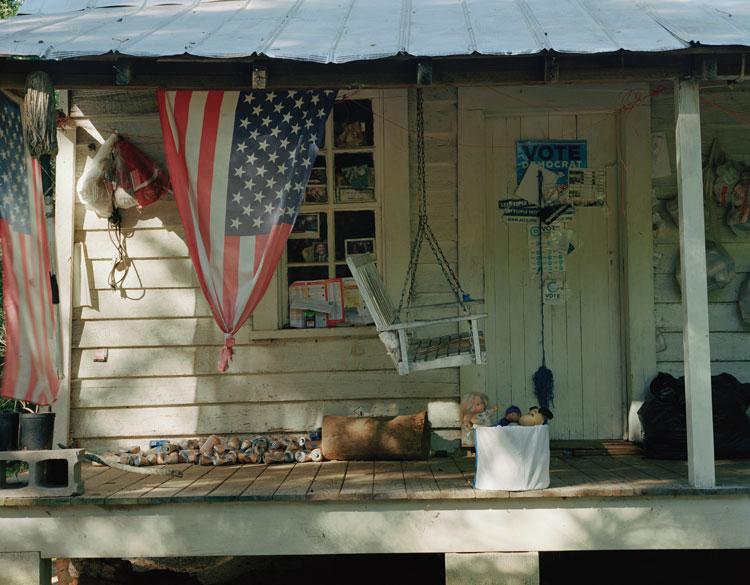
{"x": 415, "y": 353}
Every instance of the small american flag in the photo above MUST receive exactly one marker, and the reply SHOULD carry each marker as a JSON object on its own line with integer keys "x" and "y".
{"x": 29, "y": 372}
{"x": 239, "y": 163}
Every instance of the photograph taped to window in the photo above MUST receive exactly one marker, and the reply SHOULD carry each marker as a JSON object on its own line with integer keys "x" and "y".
{"x": 360, "y": 246}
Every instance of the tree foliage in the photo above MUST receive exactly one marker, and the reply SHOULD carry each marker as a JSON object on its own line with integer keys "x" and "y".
{"x": 9, "y": 8}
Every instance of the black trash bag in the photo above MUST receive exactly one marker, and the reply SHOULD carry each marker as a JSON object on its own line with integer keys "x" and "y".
{"x": 664, "y": 420}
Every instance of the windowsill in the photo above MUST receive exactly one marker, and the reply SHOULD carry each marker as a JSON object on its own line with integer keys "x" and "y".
{"x": 293, "y": 333}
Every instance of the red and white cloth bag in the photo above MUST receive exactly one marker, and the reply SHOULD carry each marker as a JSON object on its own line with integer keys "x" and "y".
{"x": 512, "y": 458}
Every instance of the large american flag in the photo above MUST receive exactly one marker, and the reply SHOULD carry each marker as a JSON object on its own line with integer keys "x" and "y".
{"x": 29, "y": 372}
{"x": 239, "y": 163}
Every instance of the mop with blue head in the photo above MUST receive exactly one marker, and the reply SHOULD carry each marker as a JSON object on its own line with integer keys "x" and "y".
{"x": 544, "y": 382}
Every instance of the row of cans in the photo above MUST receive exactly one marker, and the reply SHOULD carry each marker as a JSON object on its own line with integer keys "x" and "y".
{"x": 214, "y": 451}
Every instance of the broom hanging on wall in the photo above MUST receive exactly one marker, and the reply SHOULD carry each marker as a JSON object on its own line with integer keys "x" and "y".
{"x": 39, "y": 118}
{"x": 544, "y": 382}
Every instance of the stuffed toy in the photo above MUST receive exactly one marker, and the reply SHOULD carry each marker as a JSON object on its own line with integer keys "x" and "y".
{"x": 535, "y": 416}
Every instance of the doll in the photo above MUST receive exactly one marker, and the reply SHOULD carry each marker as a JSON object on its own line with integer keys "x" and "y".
{"x": 474, "y": 414}
{"x": 512, "y": 414}
{"x": 536, "y": 416}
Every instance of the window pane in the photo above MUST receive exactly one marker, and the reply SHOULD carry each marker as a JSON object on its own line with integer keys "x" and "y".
{"x": 355, "y": 177}
{"x": 307, "y": 273}
{"x": 308, "y": 249}
{"x": 354, "y": 232}
{"x": 342, "y": 271}
{"x": 317, "y": 186}
{"x": 352, "y": 124}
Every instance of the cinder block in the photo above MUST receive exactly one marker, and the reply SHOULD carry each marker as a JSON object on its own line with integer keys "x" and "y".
{"x": 27, "y": 568}
{"x": 44, "y": 468}
{"x": 492, "y": 568}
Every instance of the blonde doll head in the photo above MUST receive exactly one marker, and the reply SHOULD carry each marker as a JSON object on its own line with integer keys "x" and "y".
{"x": 471, "y": 404}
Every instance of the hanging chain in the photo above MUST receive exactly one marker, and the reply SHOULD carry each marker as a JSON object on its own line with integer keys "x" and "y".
{"x": 423, "y": 228}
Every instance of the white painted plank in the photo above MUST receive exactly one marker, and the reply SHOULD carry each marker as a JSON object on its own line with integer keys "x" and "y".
{"x": 273, "y": 387}
{"x": 269, "y": 356}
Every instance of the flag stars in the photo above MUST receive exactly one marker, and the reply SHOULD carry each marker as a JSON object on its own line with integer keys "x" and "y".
{"x": 251, "y": 158}
{"x": 248, "y": 209}
{"x": 275, "y": 132}
{"x": 287, "y": 118}
{"x": 266, "y": 121}
{"x": 290, "y": 211}
{"x": 249, "y": 184}
{"x": 241, "y": 147}
{"x": 270, "y": 182}
{"x": 263, "y": 145}
{"x": 257, "y": 222}
{"x": 257, "y": 110}
{"x": 237, "y": 197}
{"x": 315, "y": 98}
{"x": 298, "y": 103}
{"x": 249, "y": 98}
{"x": 244, "y": 122}
{"x": 269, "y": 208}
{"x": 239, "y": 171}
{"x": 236, "y": 223}
{"x": 254, "y": 134}
{"x": 261, "y": 170}
{"x": 259, "y": 197}
{"x": 278, "y": 107}
{"x": 272, "y": 157}
{"x": 270, "y": 96}
{"x": 296, "y": 128}
{"x": 282, "y": 168}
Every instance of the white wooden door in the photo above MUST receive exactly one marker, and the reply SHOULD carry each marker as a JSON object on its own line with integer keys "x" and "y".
{"x": 581, "y": 335}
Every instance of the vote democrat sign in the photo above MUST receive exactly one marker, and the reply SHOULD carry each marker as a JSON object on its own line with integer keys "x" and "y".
{"x": 554, "y": 155}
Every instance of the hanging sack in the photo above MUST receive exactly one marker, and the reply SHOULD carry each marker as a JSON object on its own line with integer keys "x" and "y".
{"x": 95, "y": 188}
{"x": 738, "y": 216}
{"x": 726, "y": 177}
{"x": 744, "y": 300}
{"x": 138, "y": 176}
{"x": 719, "y": 267}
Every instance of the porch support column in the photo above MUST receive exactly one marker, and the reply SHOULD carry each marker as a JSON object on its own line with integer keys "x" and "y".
{"x": 25, "y": 568}
{"x": 695, "y": 342}
{"x": 494, "y": 568}
{"x": 65, "y": 185}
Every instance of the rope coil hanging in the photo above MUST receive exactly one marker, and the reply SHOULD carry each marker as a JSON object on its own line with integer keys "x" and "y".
{"x": 424, "y": 231}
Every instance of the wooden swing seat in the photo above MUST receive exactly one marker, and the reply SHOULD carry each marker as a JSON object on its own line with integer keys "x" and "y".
{"x": 408, "y": 352}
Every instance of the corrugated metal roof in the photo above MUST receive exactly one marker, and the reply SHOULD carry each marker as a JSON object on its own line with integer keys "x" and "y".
{"x": 339, "y": 31}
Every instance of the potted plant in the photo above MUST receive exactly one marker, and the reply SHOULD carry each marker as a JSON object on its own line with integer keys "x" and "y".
{"x": 35, "y": 428}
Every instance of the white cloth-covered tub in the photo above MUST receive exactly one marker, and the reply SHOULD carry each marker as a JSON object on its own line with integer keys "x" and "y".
{"x": 512, "y": 458}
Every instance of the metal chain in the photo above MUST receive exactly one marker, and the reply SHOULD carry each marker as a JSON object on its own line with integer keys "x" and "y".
{"x": 424, "y": 229}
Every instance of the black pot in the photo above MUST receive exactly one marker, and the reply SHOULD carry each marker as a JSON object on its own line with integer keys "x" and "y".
{"x": 35, "y": 431}
{"x": 8, "y": 431}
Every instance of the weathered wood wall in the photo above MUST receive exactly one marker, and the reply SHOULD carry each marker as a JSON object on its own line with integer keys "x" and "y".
{"x": 160, "y": 379}
{"x": 725, "y": 114}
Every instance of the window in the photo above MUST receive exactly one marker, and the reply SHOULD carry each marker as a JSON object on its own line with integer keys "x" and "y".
{"x": 342, "y": 211}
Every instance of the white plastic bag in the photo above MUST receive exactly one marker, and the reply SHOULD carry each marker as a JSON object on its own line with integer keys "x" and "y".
{"x": 512, "y": 458}
{"x": 719, "y": 267}
{"x": 94, "y": 188}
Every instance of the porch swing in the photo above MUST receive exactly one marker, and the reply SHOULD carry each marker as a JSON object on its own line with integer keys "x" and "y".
{"x": 408, "y": 351}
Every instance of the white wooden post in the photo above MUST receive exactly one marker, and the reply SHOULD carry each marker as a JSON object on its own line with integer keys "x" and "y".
{"x": 700, "y": 429}
{"x": 65, "y": 184}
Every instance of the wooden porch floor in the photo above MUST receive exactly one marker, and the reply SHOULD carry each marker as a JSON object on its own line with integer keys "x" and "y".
{"x": 440, "y": 478}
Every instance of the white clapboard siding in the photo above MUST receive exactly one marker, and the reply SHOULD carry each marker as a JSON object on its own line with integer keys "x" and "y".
{"x": 145, "y": 304}
{"x": 140, "y": 243}
{"x": 147, "y": 273}
{"x": 274, "y": 387}
{"x": 160, "y": 378}
{"x": 161, "y": 214}
{"x": 729, "y": 335}
{"x": 273, "y": 355}
{"x": 667, "y": 290}
{"x": 721, "y": 317}
{"x": 239, "y": 418}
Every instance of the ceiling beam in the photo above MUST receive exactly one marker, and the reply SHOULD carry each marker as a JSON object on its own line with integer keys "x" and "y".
{"x": 188, "y": 73}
